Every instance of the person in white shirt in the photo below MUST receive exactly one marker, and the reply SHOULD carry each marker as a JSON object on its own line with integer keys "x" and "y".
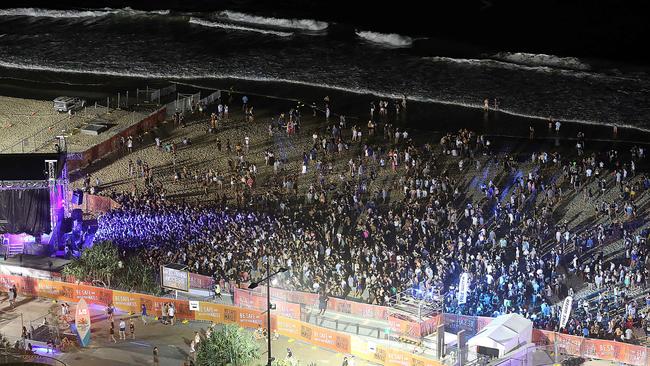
{"x": 171, "y": 311}
{"x": 122, "y": 329}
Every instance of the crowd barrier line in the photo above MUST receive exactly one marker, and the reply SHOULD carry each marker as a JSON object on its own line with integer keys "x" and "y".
{"x": 218, "y": 313}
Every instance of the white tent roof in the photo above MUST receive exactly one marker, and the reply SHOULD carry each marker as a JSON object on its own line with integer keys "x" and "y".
{"x": 504, "y": 333}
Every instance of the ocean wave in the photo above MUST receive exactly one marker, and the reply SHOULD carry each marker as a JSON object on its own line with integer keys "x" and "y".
{"x": 471, "y": 62}
{"x": 531, "y": 59}
{"x": 386, "y": 39}
{"x": 217, "y": 24}
{"x": 362, "y": 91}
{"x": 304, "y": 24}
{"x": 52, "y": 13}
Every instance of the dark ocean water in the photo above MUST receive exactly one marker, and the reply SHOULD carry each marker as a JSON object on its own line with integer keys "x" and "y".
{"x": 313, "y": 48}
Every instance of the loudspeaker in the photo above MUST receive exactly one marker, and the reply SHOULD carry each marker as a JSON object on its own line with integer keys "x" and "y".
{"x": 77, "y": 215}
{"x": 77, "y": 197}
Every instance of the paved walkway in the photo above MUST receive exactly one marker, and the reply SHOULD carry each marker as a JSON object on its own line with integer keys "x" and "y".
{"x": 172, "y": 341}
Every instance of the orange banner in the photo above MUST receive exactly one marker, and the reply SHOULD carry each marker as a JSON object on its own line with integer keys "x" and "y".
{"x": 93, "y": 295}
{"x": 403, "y": 326}
{"x": 322, "y": 337}
{"x": 358, "y": 308}
{"x": 371, "y": 351}
{"x": 252, "y": 300}
{"x": 56, "y": 290}
{"x": 210, "y": 312}
{"x": 24, "y": 285}
{"x": 132, "y": 302}
{"x": 251, "y": 318}
{"x": 593, "y": 348}
{"x": 395, "y": 357}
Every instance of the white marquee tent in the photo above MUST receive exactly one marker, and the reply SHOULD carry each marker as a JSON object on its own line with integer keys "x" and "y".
{"x": 502, "y": 335}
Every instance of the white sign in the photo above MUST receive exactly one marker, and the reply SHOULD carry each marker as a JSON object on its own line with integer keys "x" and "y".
{"x": 566, "y": 311}
{"x": 194, "y": 305}
{"x": 372, "y": 346}
{"x": 174, "y": 279}
{"x": 463, "y": 288}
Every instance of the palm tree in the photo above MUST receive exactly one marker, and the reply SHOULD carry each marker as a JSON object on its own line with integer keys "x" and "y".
{"x": 229, "y": 345}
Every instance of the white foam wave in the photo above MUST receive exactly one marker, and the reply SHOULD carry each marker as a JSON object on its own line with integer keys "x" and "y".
{"x": 470, "y": 62}
{"x": 362, "y": 91}
{"x": 304, "y": 24}
{"x": 532, "y": 59}
{"x": 386, "y": 39}
{"x": 52, "y": 13}
{"x": 217, "y": 24}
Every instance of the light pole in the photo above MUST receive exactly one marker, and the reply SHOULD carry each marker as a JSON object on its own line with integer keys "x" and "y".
{"x": 268, "y": 303}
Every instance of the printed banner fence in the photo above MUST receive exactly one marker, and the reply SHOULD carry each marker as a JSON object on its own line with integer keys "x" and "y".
{"x": 593, "y": 348}
{"x": 218, "y": 313}
{"x": 202, "y": 282}
{"x": 313, "y": 334}
{"x": 412, "y": 328}
{"x": 250, "y": 300}
{"x": 335, "y": 304}
{"x": 340, "y": 342}
{"x": 373, "y": 352}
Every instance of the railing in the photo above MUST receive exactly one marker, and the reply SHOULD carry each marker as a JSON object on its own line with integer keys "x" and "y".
{"x": 218, "y": 313}
{"x": 345, "y": 326}
{"x": 36, "y": 140}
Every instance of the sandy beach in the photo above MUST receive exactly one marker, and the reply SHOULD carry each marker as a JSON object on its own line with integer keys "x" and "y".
{"x": 28, "y": 125}
{"x": 202, "y": 155}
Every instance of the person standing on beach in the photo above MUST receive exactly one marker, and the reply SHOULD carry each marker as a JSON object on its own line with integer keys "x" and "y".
{"x": 122, "y": 329}
{"x": 132, "y": 328}
{"x": 486, "y": 104}
{"x": 156, "y": 360}
{"x": 557, "y": 126}
{"x": 163, "y": 313}
{"x": 244, "y": 101}
{"x": 531, "y": 133}
{"x": 111, "y": 332}
{"x": 109, "y": 312}
{"x": 171, "y": 312}
{"x": 12, "y": 297}
{"x": 143, "y": 308}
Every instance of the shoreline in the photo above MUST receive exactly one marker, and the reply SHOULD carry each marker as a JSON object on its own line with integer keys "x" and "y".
{"x": 89, "y": 85}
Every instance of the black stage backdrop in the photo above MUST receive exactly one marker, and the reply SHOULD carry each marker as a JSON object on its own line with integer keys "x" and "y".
{"x": 25, "y": 211}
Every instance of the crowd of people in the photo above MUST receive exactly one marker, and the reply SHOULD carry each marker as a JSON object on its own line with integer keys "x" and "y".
{"x": 402, "y": 221}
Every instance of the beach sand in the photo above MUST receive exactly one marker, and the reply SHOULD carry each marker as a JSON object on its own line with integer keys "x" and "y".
{"x": 28, "y": 125}
{"x": 202, "y": 155}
